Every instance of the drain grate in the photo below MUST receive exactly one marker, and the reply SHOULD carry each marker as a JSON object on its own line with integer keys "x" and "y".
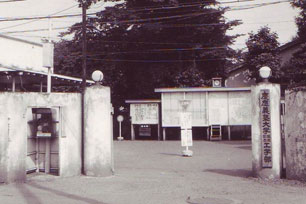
{"x": 207, "y": 200}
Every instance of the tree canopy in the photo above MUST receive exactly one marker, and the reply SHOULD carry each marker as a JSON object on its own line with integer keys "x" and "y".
{"x": 144, "y": 44}
{"x": 295, "y": 70}
{"x": 262, "y": 51}
{"x": 301, "y": 18}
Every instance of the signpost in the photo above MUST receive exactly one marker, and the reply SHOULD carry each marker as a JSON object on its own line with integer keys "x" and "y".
{"x": 120, "y": 118}
{"x": 266, "y": 128}
{"x": 186, "y": 128}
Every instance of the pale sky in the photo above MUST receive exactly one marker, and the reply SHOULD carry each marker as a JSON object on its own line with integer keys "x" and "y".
{"x": 279, "y": 17}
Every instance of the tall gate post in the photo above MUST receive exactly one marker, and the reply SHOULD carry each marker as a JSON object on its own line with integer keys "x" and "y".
{"x": 295, "y": 133}
{"x": 98, "y": 141}
{"x": 266, "y": 135}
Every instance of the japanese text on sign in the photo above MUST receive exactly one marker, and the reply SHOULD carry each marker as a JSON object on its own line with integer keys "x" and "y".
{"x": 144, "y": 113}
{"x": 186, "y": 137}
{"x": 186, "y": 120}
{"x": 265, "y": 117}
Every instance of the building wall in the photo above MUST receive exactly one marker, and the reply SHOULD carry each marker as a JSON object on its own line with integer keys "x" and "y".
{"x": 13, "y": 134}
{"x": 286, "y": 54}
{"x": 239, "y": 78}
{"x": 20, "y": 54}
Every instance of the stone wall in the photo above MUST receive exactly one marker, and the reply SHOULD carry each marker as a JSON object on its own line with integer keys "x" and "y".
{"x": 13, "y": 134}
{"x": 295, "y": 134}
{"x": 14, "y": 112}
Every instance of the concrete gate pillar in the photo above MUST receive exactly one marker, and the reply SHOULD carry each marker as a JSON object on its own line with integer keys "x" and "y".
{"x": 98, "y": 141}
{"x": 266, "y": 135}
{"x": 295, "y": 133}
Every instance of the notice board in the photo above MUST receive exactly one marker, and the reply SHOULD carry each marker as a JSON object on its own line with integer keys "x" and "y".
{"x": 144, "y": 113}
{"x": 240, "y": 108}
{"x": 171, "y": 108}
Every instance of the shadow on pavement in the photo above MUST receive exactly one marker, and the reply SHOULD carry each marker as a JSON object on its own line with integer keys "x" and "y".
{"x": 236, "y": 142}
{"x": 63, "y": 194}
{"x": 243, "y": 173}
{"x": 29, "y": 196}
{"x": 249, "y": 147}
{"x": 171, "y": 154}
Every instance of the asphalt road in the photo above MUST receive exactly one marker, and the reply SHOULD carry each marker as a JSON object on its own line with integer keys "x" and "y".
{"x": 155, "y": 172}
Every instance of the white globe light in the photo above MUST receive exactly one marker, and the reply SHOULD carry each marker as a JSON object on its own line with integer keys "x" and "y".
{"x": 265, "y": 72}
{"x": 97, "y": 76}
{"x": 120, "y": 118}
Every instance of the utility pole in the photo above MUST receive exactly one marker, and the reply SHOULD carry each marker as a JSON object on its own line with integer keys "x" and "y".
{"x": 84, "y": 55}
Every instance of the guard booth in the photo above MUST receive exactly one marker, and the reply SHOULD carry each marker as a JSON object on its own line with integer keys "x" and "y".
{"x": 43, "y": 140}
{"x": 145, "y": 121}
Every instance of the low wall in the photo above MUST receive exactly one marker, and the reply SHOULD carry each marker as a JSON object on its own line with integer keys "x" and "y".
{"x": 13, "y": 134}
{"x": 15, "y": 109}
{"x": 295, "y": 134}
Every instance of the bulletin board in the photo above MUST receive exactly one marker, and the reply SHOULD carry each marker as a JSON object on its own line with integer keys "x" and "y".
{"x": 144, "y": 113}
{"x": 228, "y": 107}
{"x": 218, "y": 108}
{"x": 240, "y": 108}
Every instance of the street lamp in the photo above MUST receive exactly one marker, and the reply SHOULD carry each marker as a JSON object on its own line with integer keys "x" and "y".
{"x": 265, "y": 73}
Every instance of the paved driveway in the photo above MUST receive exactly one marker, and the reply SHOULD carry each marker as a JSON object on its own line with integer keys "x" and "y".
{"x": 154, "y": 172}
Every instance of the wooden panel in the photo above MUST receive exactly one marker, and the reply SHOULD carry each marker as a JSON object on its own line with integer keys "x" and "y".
{"x": 218, "y": 108}
{"x": 240, "y": 108}
{"x": 198, "y": 108}
{"x": 171, "y": 109}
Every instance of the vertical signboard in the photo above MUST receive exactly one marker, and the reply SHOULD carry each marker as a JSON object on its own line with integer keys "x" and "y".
{"x": 265, "y": 116}
{"x": 186, "y": 129}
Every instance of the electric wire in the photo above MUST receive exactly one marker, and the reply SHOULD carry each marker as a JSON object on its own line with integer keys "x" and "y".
{"x": 10, "y": 1}
{"x": 155, "y": 61}
{"x": 13, "y": 26}
{"x": 148, "y": 19}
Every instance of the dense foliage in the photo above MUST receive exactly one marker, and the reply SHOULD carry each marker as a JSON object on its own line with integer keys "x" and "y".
{"x": 144, "y": 44}
{"x": 262, "y": 51}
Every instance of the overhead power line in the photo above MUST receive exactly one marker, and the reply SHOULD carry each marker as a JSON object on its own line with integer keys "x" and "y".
{"x": 153, "y": 8}
{"x": 160, "y": 50}
{"x": 148, "y": 24}
{"x": 10, "y": 1}
{"x": 13, "y": 26}
{"x": 156, "y": 61}
{"x": 149, "y": 19}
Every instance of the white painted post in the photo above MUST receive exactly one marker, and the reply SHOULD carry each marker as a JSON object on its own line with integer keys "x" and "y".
{"x": 120, "y": 119}
{"x": 266, "y": 136}
{"x": 186, "y": 127}
{"x": 47, "y": 156}
{"x": 132, "y": 132}
{"x": 14, "y": 84}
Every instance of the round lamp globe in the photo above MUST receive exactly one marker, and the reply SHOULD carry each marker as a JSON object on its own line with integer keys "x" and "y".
{"x": 97, "y": 76}
{"x": 265, "y": 72}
